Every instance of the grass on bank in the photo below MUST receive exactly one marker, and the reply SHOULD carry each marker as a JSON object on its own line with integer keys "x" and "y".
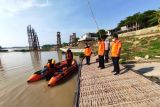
{"x": 80, "y": 54}
{"x": 132, "y": 47}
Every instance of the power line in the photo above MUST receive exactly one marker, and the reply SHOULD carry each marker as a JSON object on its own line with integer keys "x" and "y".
{"x": 93, "y": 16}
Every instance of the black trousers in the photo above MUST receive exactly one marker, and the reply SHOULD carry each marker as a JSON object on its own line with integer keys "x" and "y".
{"x": 101, "y": 61}
{"x": 106, "y": 55}
{"x": 88, "y": 60}
{"x": 116, "y": 64}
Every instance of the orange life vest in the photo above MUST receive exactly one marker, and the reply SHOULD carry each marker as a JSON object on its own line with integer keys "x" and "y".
{"x": 87, "y": 51}
{"x": 116, "y": 46}
{"x": 50, "y": 65}
{"x": 69, "y": 56}
{"x": 101, "y": 48}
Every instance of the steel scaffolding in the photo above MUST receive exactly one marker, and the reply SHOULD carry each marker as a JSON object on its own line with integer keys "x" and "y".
{"x": 32, "y": 39}
{"x": 58, "y": 40}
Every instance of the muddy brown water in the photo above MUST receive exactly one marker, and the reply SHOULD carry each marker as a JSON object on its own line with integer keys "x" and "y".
{"x": 16, "y": 67}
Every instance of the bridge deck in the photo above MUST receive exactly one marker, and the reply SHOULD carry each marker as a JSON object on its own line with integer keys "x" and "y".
{"x": 100, "y": 88}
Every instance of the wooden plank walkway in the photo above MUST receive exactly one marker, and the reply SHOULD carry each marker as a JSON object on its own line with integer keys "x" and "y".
{"x": 100, "y": 88}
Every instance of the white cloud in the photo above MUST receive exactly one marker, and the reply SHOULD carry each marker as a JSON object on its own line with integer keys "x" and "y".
{"x": 12, "y": 7}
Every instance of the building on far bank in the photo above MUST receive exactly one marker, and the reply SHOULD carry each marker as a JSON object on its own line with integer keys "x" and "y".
{"x": 123, "y": 29}
{"x": 109, "y": 32}
{"x": 88, "y": 37}
{"x": 131, "y": 27}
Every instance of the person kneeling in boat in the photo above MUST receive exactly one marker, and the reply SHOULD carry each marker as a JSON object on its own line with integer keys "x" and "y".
{"x": 69, "y": 57}
{"x": 49, "y": 69}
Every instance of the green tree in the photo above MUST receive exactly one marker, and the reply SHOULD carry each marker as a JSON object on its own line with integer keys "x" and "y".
{"x": 47, "y": 47}
{"x": 64, "y": 44}
{"x": 137, "y": 20}
{"x": 101, "y": 34}
{"x": 129, "y": 20}
{"x": 121, "y": 23}
{"x": 157, "y": 14}
{"x": 146, "y": 19}
{"x": 77, "y": 39}
{"x": 0, "y": 47}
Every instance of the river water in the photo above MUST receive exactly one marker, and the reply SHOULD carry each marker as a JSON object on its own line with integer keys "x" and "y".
{"x": 16, "y": 67}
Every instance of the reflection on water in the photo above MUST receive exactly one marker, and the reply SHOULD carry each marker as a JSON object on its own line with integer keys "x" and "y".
{"x": 59, "y": 55}
{"x": 1, "y": 67}
{"x": 16, "y": 67}
{"x": 1, "y": 70}
{"x": 36, "y": 59}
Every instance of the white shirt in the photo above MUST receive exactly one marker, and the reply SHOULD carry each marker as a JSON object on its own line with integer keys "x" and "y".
{"x": 107, "y": 44}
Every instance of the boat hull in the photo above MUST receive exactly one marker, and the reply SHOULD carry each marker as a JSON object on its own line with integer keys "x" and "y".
{"x": 35, "y": 77}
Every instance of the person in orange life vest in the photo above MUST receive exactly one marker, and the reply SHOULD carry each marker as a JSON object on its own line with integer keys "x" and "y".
{"x": 49, "y": 69}
{"x": 115, "y": 53}
{"x": 101, "y": 51}
{"x": 87, "y": 53}
{"x": 69, "y": 57}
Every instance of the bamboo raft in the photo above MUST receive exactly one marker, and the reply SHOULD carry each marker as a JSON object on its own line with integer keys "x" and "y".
{"x": 100, "y": 88}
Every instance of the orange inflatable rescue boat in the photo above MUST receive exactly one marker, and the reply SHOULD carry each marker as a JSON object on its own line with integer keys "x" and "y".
{"x": 38, "y": 75}
{"x": 65, "y": 71}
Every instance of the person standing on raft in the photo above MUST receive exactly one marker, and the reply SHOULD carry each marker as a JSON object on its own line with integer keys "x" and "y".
{"x": 87, "y": 53}
{"x": 69, "y": 57}
{"x": 49, "y": 69}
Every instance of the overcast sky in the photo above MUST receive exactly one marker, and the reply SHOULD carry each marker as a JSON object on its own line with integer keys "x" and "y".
{"x": 66, "y": 16}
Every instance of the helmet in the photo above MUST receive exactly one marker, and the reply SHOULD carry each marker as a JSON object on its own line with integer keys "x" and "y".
{"x": 53, "y": 61}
